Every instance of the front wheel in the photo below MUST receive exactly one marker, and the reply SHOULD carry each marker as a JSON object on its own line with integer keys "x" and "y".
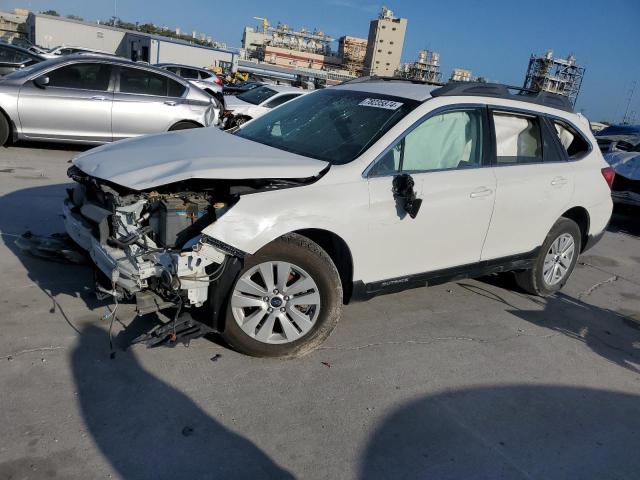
{"x": 286, "y": 301}
{"x": 555, "y": 262}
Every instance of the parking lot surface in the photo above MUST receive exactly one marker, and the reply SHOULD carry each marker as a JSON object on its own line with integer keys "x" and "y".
{"x": 472, "y": 379}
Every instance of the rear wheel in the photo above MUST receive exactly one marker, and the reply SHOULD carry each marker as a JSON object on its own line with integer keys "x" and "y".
{"x": 286, "y": 301}
{"x": 555, "y": 262}
{"x": 5, "y": 130}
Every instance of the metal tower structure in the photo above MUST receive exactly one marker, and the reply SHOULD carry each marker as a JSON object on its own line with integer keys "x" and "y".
{"x": 555, "y": 75}
{"x": 426, "y": 68}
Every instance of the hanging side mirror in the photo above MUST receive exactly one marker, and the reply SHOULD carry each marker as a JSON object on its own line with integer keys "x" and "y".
{"x": 41, "y": 82}
{"x": 404, "y": 193}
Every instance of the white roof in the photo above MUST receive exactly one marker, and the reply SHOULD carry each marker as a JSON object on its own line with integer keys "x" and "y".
{"x": 397, "y": 88}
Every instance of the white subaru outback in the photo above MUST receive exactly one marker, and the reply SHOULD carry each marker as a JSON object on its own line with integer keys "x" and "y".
{"x": 370, "y": 187}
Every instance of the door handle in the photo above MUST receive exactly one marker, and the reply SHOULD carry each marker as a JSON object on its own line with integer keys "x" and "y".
{"x": 98, "y": 97}
{"x": 559, "y": 181}
{"x": 171, "y": 103}
{"x": 481, "y": 192}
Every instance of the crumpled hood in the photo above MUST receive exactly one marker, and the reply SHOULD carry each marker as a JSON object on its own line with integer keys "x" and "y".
{"x": 204, "y": 153}
{"x": 626, "y": 164}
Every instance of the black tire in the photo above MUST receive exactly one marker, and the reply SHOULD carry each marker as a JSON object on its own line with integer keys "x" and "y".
{"x": 309, "y": 256}
{"x": 5, "y": 130}
{"x": 183, "y": 126}
{"x": 532, "y": 280}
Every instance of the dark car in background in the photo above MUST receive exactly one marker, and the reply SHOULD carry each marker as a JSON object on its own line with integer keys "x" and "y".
{"x": 14, "y": 58}
{"x": 618, "y": 138}
{"x": 626, "y": 185}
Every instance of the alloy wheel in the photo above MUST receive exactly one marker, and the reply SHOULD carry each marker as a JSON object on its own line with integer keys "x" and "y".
{"x": 558, "y": 259}
{"x": 275, "y": 302}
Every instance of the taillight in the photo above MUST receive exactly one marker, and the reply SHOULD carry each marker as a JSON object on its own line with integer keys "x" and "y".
{"x": 609, "y": 174}
{"x": 217, "y": 80}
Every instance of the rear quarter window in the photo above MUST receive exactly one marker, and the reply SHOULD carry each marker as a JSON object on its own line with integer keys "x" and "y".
{"x": 571, "y": 140}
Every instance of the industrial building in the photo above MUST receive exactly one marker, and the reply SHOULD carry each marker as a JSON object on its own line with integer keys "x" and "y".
{"x": 49, "y": 31}
{"x": 384, "y": 44}
{"x": 461, "y": 75}
{"x": 285, "y": 47}
{"x": 426, "y": 68}
{"x": 352, "y": 51}
{"x": 555, "y": 75}
{"x": 11, "y": 24}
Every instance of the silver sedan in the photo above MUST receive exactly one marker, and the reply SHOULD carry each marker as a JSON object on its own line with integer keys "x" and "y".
{"x": 95, "y": 99}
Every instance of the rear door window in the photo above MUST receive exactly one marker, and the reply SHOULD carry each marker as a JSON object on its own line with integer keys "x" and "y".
{"x": 84, "y": 76}
{"x": 518, "y": 138}
{"x": 144, "y": 82}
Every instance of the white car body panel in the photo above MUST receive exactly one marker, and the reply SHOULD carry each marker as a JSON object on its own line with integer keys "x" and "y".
{"x": 514, "y": 213}
{"x": 151, "y": 161}
{"x": 241, "y": 108}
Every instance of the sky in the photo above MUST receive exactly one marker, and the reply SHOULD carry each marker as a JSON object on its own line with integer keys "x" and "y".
{"x": 493, "y": 38}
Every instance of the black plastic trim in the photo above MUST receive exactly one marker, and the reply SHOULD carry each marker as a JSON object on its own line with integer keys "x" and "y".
{"x": 364, "y": 291}
{"x": 498, "y": 90}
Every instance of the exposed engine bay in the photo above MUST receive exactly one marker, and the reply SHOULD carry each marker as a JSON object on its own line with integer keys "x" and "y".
{"x": 148, "y": 244}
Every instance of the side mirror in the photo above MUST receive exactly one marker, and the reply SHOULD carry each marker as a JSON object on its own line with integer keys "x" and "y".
{"x": 403, "y": 192}
{"x": 41, "y": 82}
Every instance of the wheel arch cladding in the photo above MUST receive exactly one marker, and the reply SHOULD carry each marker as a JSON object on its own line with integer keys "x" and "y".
{"x": 581, "y": 217}
{"x": 338, "y": 251}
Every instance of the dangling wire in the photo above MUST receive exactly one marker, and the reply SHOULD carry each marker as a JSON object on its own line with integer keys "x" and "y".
{"x": 112, "y": 316}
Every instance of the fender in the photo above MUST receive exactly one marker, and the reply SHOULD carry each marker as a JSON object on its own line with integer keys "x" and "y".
{"x": 259, "y": 218}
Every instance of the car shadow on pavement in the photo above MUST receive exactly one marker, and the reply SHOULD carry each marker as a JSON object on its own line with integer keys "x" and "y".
{"x": 147, "y": 428}
{"x": 611, "y": 335}
{"x": 626, "y": 221}
{"x": 509, "y": 432}
{"x": 71, "y": 147}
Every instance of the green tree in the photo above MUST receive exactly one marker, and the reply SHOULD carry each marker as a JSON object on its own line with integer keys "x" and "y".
{"x": 53, "y": 13}
{"x": 75, "y": 17}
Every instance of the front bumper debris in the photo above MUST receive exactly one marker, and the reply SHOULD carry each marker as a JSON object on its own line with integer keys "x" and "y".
{"x": 155, "y": 276}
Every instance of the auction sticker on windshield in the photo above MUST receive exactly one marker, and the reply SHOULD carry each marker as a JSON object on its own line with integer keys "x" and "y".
{"x": 380, "y": 103}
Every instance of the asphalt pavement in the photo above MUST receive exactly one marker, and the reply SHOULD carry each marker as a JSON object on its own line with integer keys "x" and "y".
{"x": 469, "y": 380}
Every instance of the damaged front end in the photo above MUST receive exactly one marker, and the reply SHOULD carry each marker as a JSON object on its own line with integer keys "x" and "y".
{"x": 148, "y": 245}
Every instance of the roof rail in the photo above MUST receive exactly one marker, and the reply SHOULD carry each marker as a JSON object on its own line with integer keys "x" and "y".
{"x": 376, "y": 78}
{"x": 498, "y": 90}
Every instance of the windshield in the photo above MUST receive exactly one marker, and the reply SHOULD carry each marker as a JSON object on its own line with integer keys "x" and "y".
{"x": 333, "y": 125}
{"x": 257, "y": 95}
{"x": 620, "y": 130}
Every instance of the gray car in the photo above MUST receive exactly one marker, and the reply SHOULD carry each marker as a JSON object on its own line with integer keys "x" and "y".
{"x": 96, "y": 99}
{"x": 200, "y": 77}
